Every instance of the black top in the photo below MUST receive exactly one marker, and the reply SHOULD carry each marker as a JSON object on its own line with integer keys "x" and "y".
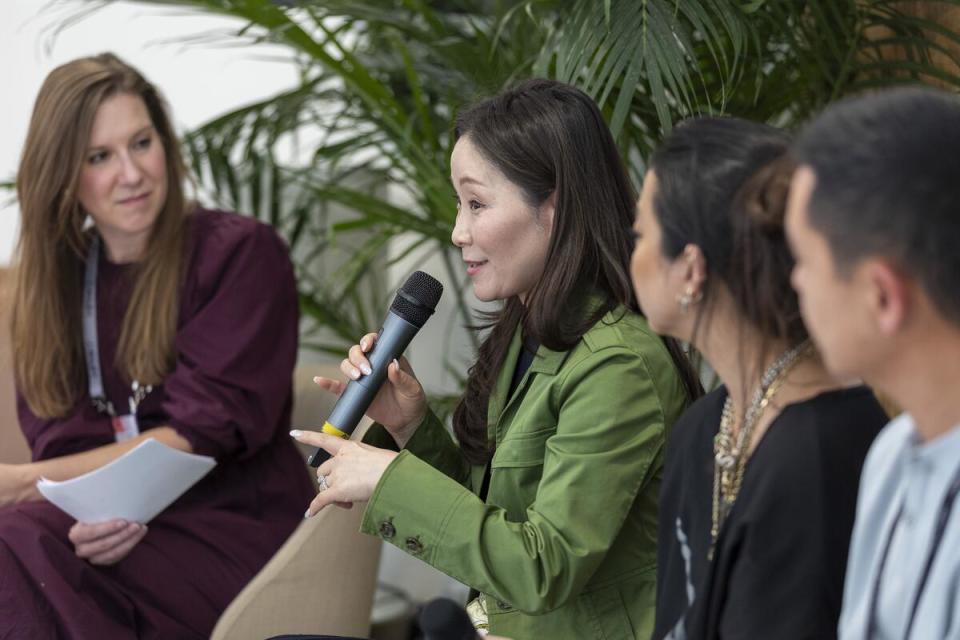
{"x": 524, "y": 360}
{"x": 782, "y": 552}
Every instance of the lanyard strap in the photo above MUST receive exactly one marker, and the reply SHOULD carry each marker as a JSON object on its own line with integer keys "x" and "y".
{"x": 91, "y": 346}
{"x": 943, "y": 517}
{"x": 91, "y": 342}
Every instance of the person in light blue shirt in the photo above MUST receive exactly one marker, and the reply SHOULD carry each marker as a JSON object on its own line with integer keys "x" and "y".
{"x": 874, "y": 223}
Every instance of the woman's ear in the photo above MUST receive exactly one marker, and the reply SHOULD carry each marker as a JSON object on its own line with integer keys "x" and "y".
{"x": 694, "y": 269}
{"x": 548, "y": 209}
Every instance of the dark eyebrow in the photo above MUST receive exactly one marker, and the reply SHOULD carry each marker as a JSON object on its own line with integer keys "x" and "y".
{"x": 140, "y": 132}
{"x": 469, "y": 180}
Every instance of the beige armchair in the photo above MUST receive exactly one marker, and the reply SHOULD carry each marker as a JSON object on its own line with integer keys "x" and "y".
{"x": 13, "y": 448}
{"x": 323, "y": 578}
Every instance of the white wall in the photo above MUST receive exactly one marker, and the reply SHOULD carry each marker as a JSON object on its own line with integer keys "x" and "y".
{"x": 199, "y": 80}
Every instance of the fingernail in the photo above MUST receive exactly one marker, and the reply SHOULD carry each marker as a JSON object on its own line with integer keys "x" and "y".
{"x": 355, "y": 374}
{"x": 396, "y": 362}
{"x": 363, "y": 344}
{"x": 306, "y": 514}
{"x": 316, "y": 379}
{"x": 296, "y": 433}
{"x": 366, "y": 369}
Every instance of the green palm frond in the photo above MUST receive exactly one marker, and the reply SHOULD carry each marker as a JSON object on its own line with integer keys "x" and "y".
{"x": 617, "y": 48}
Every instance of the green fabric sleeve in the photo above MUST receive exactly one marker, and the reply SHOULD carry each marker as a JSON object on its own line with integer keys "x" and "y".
{"x": 430, "y": 442}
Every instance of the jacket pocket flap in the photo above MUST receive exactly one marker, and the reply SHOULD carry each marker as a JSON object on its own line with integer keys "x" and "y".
{"x": 525, "y": 449}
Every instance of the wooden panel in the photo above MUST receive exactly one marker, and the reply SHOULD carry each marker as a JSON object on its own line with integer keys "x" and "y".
{"x": 943, "y": 14}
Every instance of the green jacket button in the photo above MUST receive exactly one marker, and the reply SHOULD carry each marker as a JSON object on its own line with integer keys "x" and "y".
{"x": 414, "y": 545}
{"x": 387, "y": 530}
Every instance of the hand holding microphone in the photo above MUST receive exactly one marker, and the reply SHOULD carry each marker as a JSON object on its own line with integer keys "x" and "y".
{"x": 403, "y": 398}
{"x": 399, "y": 405}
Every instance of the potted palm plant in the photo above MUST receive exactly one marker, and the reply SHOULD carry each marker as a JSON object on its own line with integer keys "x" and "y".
{"x": 381, "y": 80}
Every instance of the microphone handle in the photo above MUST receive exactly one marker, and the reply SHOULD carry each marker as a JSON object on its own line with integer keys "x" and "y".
{"x": 393, "y": 338}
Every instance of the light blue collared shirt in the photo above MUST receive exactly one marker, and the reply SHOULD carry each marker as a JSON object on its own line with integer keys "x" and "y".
{"x": 901, "y": 471}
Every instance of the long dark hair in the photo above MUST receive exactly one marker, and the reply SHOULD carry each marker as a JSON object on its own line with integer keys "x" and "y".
{"x": 722, "y": 186}
{"x": 548, "y": 137}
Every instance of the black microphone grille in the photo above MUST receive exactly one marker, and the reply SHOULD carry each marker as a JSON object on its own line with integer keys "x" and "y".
{"x": 417, "y": 298}
{"x": 424, "y": 288}
{"x": 444, "y": 619}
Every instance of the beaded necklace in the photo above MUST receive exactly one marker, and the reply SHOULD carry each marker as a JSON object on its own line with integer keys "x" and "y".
{"x": 731, "y": 454}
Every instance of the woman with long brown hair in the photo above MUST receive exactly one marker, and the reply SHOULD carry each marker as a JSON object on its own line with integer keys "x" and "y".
{"x": 546, "y": 506}
{"x": 139, "y": 315}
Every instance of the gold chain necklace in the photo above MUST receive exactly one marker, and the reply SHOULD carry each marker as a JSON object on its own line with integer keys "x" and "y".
{"x": 731, "y": 454}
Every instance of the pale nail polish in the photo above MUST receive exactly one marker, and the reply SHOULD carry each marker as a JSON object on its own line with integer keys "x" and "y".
{"x": 296, "y": 433}
{"x": 306, "y": 514}
{"x": 366, "y": 369}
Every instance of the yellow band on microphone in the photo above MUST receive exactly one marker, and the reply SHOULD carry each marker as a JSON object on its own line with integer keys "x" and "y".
{"x": 333, "y": 431}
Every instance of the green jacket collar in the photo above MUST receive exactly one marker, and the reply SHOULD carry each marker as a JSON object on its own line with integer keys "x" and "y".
{"x": 547, "y": 362}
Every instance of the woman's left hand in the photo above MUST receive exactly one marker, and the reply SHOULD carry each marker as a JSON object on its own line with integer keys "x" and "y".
{"x": 106, "y": 543}
{"x": 352, "y": 472}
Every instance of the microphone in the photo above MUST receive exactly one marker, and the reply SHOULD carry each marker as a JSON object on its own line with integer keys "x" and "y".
{"x": 444, "y": 619}
{"x": 414, "y": 303}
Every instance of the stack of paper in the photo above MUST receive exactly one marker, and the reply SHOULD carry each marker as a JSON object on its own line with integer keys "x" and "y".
{"x": 135, "y": 487}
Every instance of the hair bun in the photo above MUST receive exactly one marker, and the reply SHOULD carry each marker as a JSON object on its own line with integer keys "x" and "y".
{"x": 763, "y": 197}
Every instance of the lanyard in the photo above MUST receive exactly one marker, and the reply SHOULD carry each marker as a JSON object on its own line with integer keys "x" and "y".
{"x": 946, "y": 508}
{"x": 125, "y": 426}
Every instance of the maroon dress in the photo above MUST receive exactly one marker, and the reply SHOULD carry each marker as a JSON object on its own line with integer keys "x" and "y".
{"x": 230, "y": 396}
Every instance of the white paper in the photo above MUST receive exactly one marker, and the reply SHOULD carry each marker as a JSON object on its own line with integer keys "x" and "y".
{"x": 135, "y": 487}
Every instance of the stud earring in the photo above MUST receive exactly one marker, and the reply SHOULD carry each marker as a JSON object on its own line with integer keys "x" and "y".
{"x": 688, "y": 298}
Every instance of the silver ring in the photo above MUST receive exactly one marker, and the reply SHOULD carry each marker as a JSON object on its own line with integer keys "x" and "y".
{"x": 322, "y": 481}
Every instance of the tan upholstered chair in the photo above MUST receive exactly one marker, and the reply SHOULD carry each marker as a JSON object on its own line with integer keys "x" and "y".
{"x": 323, "y": 578}
{"x": 13, "y": 447}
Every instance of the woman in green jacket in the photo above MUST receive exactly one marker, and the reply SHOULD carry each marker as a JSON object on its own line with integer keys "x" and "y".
{"x": 547, "y": 504}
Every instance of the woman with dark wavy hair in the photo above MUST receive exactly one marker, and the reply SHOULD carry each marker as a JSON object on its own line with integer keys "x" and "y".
{"x": 761, "y": 474}
{"x": 547, "y": 504}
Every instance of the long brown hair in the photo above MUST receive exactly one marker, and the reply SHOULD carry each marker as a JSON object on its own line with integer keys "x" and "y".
{"x": 548, "y": 137}
{"x": 46, "y": 325}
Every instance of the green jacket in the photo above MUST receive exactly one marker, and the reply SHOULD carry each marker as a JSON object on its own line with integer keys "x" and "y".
{"x": 565, "y": 545}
